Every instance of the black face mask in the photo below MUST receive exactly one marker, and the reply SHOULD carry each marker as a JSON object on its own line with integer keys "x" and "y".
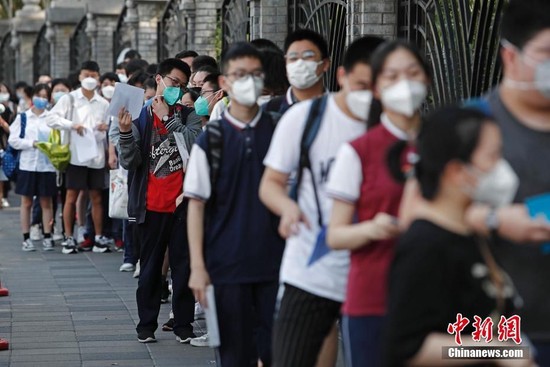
{"x": 196, "y": 89}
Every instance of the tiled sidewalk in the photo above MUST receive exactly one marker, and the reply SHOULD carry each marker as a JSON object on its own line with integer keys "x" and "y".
{"x": 76, "y": 310}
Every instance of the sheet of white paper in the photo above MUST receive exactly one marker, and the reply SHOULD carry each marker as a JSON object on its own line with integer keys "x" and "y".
{"x": 127, "y": 96}
{"x": 211, "y": 318}
{"x": 182, "y": 147}
{"x": 86, "y": 147}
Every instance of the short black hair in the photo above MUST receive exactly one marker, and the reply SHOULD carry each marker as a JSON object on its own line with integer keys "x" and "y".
{"x": 239, "y": 50}
{"x": 152, "y": 69}
{"x": 360, "y": 51}
{"x": 274, "y": 65}
{"x": 62, "y": 81}
{"x": 203, "y": 60}
{"x": 20, "y": 84}
{"x": 132, "y": 55}
{"x": 523, "y": 20}
{"x": 39, "y": 87}
{"x": 308, "y": 35}
{"x": 122, "y": 65}
{"x": 263, "y": 44}
{"x": 90, "y": 65}
{"x": 167, "y": 65}
{"x": 193, "y": 93}
{"x": 208, "y": 69}
{"x": 109, "y": 76}
{"x": 136, "y": 65}
{"x": 138, "y": 77}
{"x": 213, "y": 79}
{"x": 150, "y": 83}
{"x": 186, "y": 53}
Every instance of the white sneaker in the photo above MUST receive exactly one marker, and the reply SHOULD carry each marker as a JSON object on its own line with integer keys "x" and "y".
{"x": 199, "y": 312}
{"x": 201, "y": 341}
{"x": 27, "y": 246}
{"x": 80, "y": 233}
{"x": 36, "y": 232}
{"x": 136, "y": 273}
{"x": 101, "y": 244}
{"x": 5, "y": 203}
{"x": 69, "y": 246}
{"x": 57, "y": 234}
{"x": 127, "y": 267}
{"x": 47, "y": 244}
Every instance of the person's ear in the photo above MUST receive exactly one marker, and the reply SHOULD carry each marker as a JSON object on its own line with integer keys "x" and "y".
{"x": 509, "y": 59}
{"x": 326, "y": 64}
{"x": 224, "y": 83}
{"x": 341, "y": 76}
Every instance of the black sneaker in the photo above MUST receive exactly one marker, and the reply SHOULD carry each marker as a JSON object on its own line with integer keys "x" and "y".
{"x": 146, "y": 337}
{"x": 165, "y": 292}
{"x": 185, "y": 336}
{"x": 168, "y": 325}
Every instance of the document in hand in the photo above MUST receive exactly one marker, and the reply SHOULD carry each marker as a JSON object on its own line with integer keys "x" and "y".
{"x": 211, "y": 317}
{"x": 86, "y": 146}
{"x": 127, "y": 96}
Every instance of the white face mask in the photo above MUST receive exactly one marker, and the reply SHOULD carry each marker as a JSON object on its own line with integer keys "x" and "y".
{"x": 4, "y": 97}
{"x": 123, "y": 78}
{"x": 247, "y": 90}
{"x": 108, "y": 91}
{"x": 497, "y": 187}
{"x": 303, "y": 74}
{"x": 405, "y": 97}
{"x": 542, "y": 78}
{"x": 89, "y": 83}
{"x": 359, "y": 103}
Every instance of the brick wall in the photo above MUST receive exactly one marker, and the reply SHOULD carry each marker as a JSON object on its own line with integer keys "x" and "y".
{"x": 149, "y": 15}
{"x": 103, "y": 47}
{"x": 205, "y": 26}
{"x": 273, "y": 20}
{"x": 372, "y": 17}
{"x": 60, "y": 55}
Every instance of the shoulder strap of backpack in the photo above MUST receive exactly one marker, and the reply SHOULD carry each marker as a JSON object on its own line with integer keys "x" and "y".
{"x": 23, "y": 125}
{"x": 215, "y": 147}
{"x": 311, "y": 129}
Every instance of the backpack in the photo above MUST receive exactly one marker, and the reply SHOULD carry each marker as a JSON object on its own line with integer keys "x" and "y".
{"x": 10, "y": 161}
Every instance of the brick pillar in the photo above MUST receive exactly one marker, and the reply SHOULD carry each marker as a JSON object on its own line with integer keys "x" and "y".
{"x": 273, "y": 20}
{"x": 373, "y": 17}
{"x": 147, "y": 41}
{"x": 206, "y": 22}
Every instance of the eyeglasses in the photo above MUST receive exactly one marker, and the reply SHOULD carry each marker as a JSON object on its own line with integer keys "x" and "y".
{"x": 307, "y": 55}
{"x": 176, "y": 83}
{"x": 202, "y": 93}
{"x": 239, "y": 74}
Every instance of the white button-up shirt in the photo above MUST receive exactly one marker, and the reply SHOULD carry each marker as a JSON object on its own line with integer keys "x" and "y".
{"x": 90, "y": 113}
{"x": 31, "y": 159}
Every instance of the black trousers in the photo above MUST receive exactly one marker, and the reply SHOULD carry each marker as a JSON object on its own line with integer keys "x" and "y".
{"x": 245, "y": 319}
{"x": 157, "y": 232}
{"x": 303, "y": 323}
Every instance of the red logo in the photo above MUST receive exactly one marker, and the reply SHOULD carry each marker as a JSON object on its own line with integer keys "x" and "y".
{"x": 507, "y": 328}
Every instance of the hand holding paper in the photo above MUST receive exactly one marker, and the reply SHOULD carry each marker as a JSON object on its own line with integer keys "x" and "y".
{"x": 128, "y": 97}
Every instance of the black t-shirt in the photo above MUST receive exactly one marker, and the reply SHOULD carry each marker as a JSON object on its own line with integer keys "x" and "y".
{"x": 436, "y": 274}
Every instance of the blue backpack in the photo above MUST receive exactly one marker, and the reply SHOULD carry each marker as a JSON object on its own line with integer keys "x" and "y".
{"x": 10, "y": 161}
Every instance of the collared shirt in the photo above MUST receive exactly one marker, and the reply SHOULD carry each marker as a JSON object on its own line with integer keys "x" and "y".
{"x": 31, "y": 159}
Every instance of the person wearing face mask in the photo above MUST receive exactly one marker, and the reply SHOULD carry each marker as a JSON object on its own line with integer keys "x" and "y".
{"x": 36, "y": 173}
{"x": 441, "y": 268}
{"x": 521, "y": 107}
{"x": 152, "y": 149}
{"x": 314, "y": 277}
{"x": 60, "y": 87}
{"x": 241, "y": 251}
{"x": 360, "y": 183}
{"x": 83, "y": 112}
{"x": 307, "y": 61}
{"x": 210, "y": 94}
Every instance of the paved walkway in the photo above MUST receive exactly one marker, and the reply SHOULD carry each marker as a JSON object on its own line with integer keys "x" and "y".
{"x": 76, "y": 310}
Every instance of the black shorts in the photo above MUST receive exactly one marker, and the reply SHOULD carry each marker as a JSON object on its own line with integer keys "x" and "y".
{"x": 84, "y": 178}
{"x": 41, "y": 184}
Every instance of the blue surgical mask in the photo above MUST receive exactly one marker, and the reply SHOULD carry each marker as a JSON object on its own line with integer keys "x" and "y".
{"x": 40, "y": 103}
{"x": 201, "y": 106}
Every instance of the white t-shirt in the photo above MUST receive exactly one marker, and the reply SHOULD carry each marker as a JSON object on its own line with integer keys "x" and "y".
{"x": 326, "y": 277}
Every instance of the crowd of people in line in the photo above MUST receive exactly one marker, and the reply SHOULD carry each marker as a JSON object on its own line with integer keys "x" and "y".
{"x": 312, "y": 214}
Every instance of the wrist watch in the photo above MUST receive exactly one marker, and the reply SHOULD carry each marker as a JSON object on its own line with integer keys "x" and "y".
{"x": 492, "y": 222}
{"x": 165, "y": 118}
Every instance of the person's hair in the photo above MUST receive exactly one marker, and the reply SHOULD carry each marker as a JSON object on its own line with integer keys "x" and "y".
{"x": 213, "y": 79}
{"x": 263, "y": 44}
{"x": 122, "y": 65}
{"x": 447, "y": 134}
{"x": 167, "y": 65}
{"x": 90, "y": 65}
{"x": 208, "y": 69}
{"x": 40, "y": 87}
{"x": 109, "y": 76}
{"x": 138, "y": 78}
{"x": 132, "y": 55}
{"x": 62, "y": 81}
{"x": 360, "y": 51}
{"x": 308, "y": 35}
{"x": 203, "y": 60}
{"x": 274, "y": 65}
{"x": 523, "y": 20}
{"x": 186, "y": 53}
{"x": 239, "y": 50}
{"x": 193, "y": 94}
{"x": 135, "y": 65}
{"x": 28, "y": 90}
{"x": 20, "y": 84}
{"x": 152, "y": 69}
{"x": 377, "y": 63}
{"x": 150, "y": 83}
